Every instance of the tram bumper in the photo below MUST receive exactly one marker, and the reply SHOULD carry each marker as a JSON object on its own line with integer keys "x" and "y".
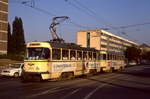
{"x": 35, "y": 76}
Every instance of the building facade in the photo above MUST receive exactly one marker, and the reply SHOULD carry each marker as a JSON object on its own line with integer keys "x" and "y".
{"x": 3, "y": 26}
{"x": 103, "y": 40}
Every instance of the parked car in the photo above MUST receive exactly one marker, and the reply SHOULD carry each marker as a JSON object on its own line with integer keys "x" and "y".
{"x": 15, "y": 70}
{"x": 132, "y": 63}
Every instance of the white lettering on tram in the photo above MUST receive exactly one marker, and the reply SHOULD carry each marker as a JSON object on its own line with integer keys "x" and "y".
{"x": 93, "y": 65}
{"x": 59, "y": 67}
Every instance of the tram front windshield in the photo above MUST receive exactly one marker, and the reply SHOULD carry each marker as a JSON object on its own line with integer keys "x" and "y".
{"x": 38, "y": 53}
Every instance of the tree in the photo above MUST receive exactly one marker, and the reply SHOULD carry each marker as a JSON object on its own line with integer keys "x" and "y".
{"x": 21, "y": 38}
{"x": 18, "y": 40}
{"x": 9, "y": 43}
{"x": 133, "y": 53}
{"x": 146, "y": 55}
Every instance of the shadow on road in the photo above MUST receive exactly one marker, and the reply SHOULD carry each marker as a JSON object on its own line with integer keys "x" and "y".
{"x": 143, "y": 73}
{"x": 120, "y": 85}
{"x": 141, "y": 83}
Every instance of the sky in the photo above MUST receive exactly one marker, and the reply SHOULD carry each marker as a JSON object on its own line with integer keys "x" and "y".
{"x": 83, "y": 15}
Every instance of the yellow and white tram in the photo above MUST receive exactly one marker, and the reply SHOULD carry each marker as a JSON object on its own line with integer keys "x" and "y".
{"x": 51, "y": 60}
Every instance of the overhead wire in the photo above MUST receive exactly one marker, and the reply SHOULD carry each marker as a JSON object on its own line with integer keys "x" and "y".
{"x": 92, "y": 13}
{"x": 131, "y": 26}
{"x": 31, "y": 4}
{"x": 78, "y": 25}
{"x": 134, "y": 25}
{"x": 81, "y": 7}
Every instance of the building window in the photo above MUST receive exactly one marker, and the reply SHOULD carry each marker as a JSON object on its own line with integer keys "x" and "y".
{"x": 3, "y": 26}
{"x": 3, "y": 36}
{"x": 3, "y": 16}
{"x": 3, "y": 46}
{"x": 3, "y": 7}
{"x": 104, "y": 46}
{"x": 88, "y": 39}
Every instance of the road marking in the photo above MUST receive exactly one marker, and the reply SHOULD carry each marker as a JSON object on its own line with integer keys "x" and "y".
{"x": 100, "y": 86}
{"x": 91, "y": 93}
{"x": 147, "y": 67}
{"x": 44, "y": 92}
{"x": 49, "y": 91}
{"x": 76, "y": 90}
{"x": 46, "y": 87}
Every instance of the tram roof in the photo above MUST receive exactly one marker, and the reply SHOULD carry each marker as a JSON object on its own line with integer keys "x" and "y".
{"x": 70, "y": 46}
{"x": 115, "y": 53}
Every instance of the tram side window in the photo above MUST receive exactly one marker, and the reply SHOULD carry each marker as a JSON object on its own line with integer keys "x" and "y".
{"x": 85, "y": 55}
{"x": 56, "y": 54}
{"x": 89, "y": 55}
{"x": 94, "y": 56}
{"x": 72, "y": 55}
{"x": 100, "y": 56}
{"x": 79, "y": 55}
{"x": 45, "y": 53}
{"x": 104, "y": 56}
{"x": 65, "y": 54}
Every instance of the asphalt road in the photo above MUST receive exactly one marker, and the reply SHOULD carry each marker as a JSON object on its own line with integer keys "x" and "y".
{"x": 132, "y": 83}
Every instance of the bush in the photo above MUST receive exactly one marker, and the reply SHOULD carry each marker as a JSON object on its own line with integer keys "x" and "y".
{"x": 12, "y": 57}
{"x": 3, "y": 56}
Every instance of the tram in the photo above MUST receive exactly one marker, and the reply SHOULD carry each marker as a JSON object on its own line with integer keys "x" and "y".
{"x": 52, "y": 60}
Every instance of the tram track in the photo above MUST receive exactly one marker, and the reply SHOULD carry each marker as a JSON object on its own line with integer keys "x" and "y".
{"x": 79, "y": 85}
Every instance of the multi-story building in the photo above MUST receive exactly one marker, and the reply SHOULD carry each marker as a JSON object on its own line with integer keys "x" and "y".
{"x": 103, "y": 40}
{"x": 3, "y": 26}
